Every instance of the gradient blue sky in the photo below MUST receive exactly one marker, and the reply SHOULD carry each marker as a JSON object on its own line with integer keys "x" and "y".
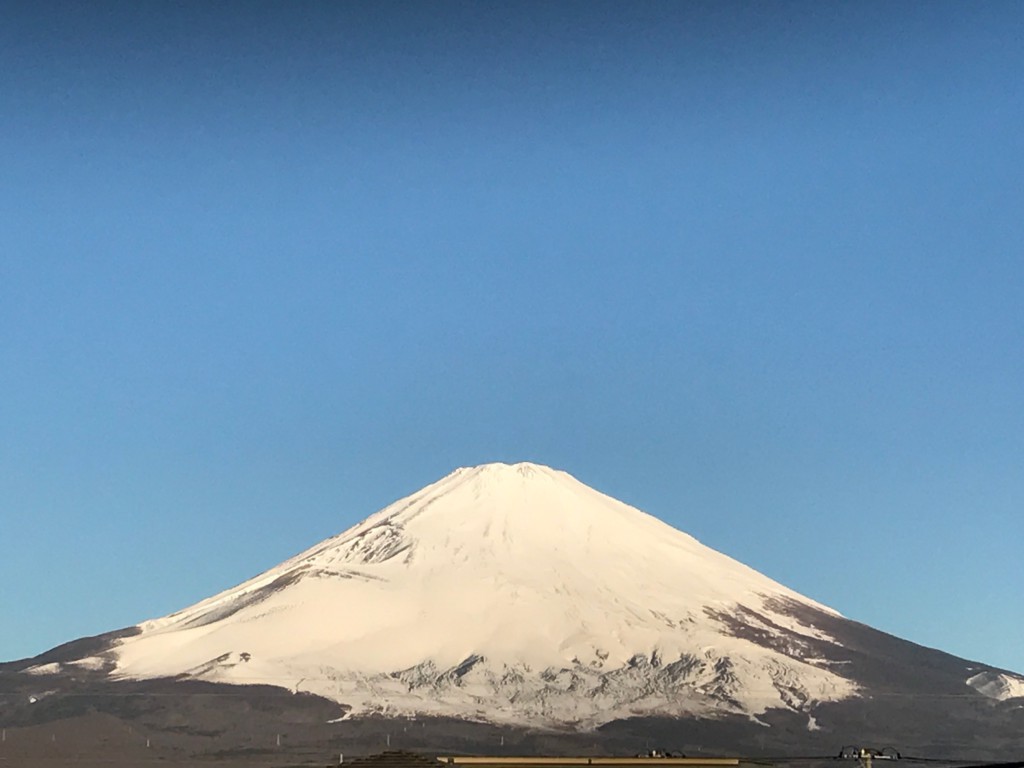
{"x": 756, "y": 268}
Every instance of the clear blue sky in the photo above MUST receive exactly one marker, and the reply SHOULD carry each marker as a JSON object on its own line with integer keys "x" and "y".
{"x": 756, "y": 268}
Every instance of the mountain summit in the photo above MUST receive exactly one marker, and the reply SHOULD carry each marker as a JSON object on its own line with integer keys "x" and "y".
{"x": 517, "y": 594}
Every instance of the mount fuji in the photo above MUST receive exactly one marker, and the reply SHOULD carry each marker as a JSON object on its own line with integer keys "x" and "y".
{"x": 516, "y": 595}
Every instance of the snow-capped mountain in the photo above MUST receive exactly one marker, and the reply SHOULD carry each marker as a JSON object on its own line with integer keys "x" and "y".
{"x": 510, "y": 593}
{"x": 516, "y": 594}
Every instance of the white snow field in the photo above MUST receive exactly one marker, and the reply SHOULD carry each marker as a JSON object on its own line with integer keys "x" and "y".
{"x": 505, "y": 593}
{"x": 997, "y": 685}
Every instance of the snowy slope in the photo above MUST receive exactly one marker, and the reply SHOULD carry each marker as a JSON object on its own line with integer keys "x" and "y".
{"x": 509, "y": 594}
{"x": 997, "y": 685}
